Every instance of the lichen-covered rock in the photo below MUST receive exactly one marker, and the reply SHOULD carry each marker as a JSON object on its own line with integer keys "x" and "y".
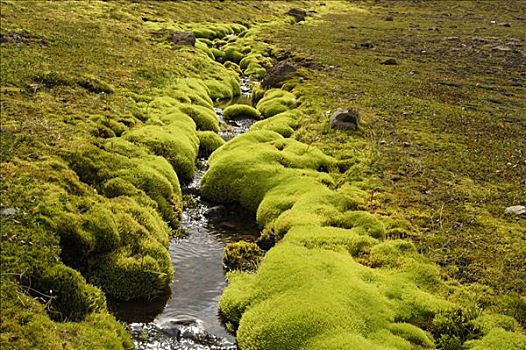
{"x": 345, "y": 119}
{"x": 277, "y": 75}
{"x": 184, "y": 38}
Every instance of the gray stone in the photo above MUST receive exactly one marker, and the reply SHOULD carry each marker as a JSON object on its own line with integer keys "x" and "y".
{"x": 390, "y": 62}
{"x": 345, "y": 119}
{"x": 298, "y": 14}
{"x": 504, "y": 24}
{"x": 183, "y": 38}
{"x": 516, "y": 209}
{"x": 277, "y": 75}
{"x": 8, "y": 211}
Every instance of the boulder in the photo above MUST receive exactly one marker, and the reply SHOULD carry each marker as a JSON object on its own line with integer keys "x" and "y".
{"x": 277, "y": 75}
{"x": 183, "y": 38}
{"x": 345, "y": 119}
{"x": 298, "y": 14}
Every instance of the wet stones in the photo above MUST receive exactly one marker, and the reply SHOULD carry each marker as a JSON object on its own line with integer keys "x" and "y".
{"x": 348, "y": 119}
{"x": 184, "y": 38}
{"x": 277, "y": 75}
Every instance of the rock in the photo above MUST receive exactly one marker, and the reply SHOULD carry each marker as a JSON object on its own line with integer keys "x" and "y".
{"x": 7, "y": 212}
{"x": 389, "y": 18}
{"x": 501, "y": 48}
{"x": 277, "y": 75}
{"x": 504, "y": 24}
{"x": 183, "y": 38}
{"x": 516, "y": 209}
{"x": 215, "y": 213}
{"x": 390, "y": 62}
{"x": 33, "y": 156}
{"x": 298, "y": 14}
{"x": 366, "y": 45}
{"x": 345, "y": 119}
{"x": 452, "y": 38}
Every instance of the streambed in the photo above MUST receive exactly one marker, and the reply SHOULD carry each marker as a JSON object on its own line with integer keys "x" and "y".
{"x": 187, "y": 316}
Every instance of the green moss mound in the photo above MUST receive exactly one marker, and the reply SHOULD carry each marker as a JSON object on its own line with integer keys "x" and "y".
{"x": 281, "y": 306}
{"x": 242, "y": 255}
{"x": 241, "y": 111}
{"x": 178, "y": 143}
{"x": 276, "y": 101}
{"x": 283, "y": 123}
{"x": 209, "y": 141}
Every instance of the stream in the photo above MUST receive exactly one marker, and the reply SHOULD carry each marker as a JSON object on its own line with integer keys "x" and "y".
{"x": 187, "y": 318}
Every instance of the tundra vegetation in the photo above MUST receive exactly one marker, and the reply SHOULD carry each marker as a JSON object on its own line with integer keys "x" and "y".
{"x": 390, "y": 237}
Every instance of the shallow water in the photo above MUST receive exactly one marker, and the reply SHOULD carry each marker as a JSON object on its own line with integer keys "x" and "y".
{"x": 187, "y": 316}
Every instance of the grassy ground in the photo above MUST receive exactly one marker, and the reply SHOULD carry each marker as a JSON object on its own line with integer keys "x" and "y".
{"x": 445, "y": 126}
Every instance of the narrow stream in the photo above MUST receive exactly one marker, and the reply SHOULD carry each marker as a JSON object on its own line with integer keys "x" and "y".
{"x": 186, "y": 318}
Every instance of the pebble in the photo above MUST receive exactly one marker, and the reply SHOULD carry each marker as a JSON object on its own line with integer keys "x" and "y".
{"x": 7, "y": 211}
{"x": 516, "y": 209}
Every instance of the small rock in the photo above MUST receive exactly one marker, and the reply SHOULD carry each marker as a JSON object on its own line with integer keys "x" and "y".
{"x": 383, "y": 142}
{"x": 516, "y": 209}
{"x": 183, "y": 38}
{"x": 406, "y": 144}
{"x": 33, "y": 156}
{"x": 277, "y": 75}
{"x": 390, "y": 62}
{"x": 7, "y": 212}
{"x": 501, "y": 48}
{"x": 345, "y": 119}
{"x": 504, "y": 24}
{"x": 298, "y": 14}
{"x": 215, "y": 213}
{"x": 436, "y": 29}
{"x": 366, "y": 45}
{"x": 389, "y": 18}
{"x": 452, "y": 38}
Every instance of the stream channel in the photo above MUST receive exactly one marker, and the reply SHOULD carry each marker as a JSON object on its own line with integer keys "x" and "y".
{"x": 187, "y": 318}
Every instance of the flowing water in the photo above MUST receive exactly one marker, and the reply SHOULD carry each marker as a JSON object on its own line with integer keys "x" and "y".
{"x": 187, "y": 316}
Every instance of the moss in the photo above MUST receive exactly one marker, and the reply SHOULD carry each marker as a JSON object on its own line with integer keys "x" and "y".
{"x": 130, "y": 277}
{"x": 209, "y": 141}
{"x": 413, "y": 334}
{"x": 244, "y": 256}
{"x": 487, "y": 322}
{"x": 283, "y": 123}
{"x": 204, "y": 117}
{"x": 233, "y": 66}
{"x": 233, "y": 54}
{"x": 199, "y": 44}
{"x": 92, "y": 84}
{"x": 71, "y": 298}
{"x": 364, "y": 219}
{"x": 281, "y": 307}
{"x": 219, "y": 55}
{"x": 180, "y": 151}
{"x": 499, "y": 339}
{"x": 241, "y": 111}
{"x": 276, "y": 101}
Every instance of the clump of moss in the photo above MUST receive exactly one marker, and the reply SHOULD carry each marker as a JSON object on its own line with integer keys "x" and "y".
{"x": 209, "y": 141}
{"x": 95, "y": 85}
{"x": 177, "y": 143}
{"x": 71, "y": 298}
{"x": 283, "y": 123}
{"x": 244, "y": 256}
{"x": 276, "y": 101}
{"x": 241, "y": 111}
